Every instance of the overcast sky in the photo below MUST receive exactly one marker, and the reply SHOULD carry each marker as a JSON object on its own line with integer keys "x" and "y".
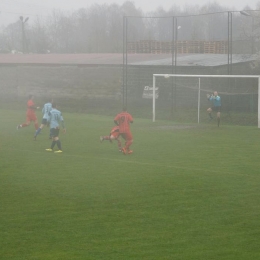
{"x": 10, "y": 10}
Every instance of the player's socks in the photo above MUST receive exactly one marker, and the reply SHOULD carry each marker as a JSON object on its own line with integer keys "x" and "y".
{"x": 53, "y": 144}
{"x": 210, "y": 116}
{"x": 36, "y": 126}
{"x": 124, "y": 151}
{"x": 37, "y": 132}
{"x": 218, "y": 121}
{"x": 59, "y": 144}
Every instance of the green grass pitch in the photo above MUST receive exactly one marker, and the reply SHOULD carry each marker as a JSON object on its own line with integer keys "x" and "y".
{"x": 185, "y": 193}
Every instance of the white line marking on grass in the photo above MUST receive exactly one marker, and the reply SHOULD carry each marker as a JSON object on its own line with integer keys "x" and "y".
{"x": 135, "y": 162}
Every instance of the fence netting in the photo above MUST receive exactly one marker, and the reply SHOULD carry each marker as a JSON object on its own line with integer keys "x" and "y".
{"x": 221, "y": 43}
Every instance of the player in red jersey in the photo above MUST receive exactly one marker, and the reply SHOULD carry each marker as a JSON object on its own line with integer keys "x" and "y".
{"x": 30, "y": 114}
{"x": 123, "y": 120}
{"x": 114, "y": 135}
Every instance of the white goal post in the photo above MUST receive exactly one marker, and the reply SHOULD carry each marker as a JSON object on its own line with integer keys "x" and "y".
{"x": 166, "y": 76}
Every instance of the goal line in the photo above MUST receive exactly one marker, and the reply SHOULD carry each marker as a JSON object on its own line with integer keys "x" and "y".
{"x": 199, "y": 77}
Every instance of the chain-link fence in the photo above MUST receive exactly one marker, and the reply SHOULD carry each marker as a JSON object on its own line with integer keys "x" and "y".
{"x": 215, "y": 43}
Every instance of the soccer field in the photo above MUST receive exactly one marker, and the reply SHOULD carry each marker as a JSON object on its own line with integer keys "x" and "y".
{"x": 187, "y": 192}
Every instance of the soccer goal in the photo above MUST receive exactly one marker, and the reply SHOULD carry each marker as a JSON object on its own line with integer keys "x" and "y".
{"x": 228, "y": 84}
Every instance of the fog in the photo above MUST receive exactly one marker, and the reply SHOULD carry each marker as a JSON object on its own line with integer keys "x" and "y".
{"x": 12, "y": 9}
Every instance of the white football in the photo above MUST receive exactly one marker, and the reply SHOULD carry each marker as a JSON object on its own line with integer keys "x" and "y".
{"x": 166, "y": 76}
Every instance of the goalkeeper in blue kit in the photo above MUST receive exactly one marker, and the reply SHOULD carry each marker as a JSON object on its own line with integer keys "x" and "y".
{"x": 56, "y": 119}
{"x": 216, "y": 101}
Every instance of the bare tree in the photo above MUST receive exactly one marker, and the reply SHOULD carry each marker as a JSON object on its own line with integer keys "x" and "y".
{"x": 38, "y": 37}
{"x": 114, "y": 28}
{"x": 12, "y": 37}
{"x": 99, "y": 28}
{"x": 60, "y": 28}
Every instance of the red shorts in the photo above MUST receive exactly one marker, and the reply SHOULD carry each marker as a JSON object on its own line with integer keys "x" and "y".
{"x": 127, "y": 136}
{"x": 31, "y": 116}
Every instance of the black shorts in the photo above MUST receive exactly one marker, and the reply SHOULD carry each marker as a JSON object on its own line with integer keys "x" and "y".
{"x": 44, "y": 121}
{"x": 216, "y": 109}
{"x": 54, "y": 132}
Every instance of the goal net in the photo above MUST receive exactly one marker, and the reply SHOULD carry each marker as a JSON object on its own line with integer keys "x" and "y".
{"x": 186, "y": 97}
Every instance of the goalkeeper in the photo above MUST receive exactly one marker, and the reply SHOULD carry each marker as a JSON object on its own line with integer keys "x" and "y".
{"x": 216, "y": 101}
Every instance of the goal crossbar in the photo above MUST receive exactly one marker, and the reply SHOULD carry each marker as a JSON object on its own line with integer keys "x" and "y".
{"x": 205, "y": 76}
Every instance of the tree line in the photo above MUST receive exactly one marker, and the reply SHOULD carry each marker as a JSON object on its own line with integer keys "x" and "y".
{"x": 99, "y": 29}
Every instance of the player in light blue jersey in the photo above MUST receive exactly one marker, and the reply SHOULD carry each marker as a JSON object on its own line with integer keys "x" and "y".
{"x": 45, "y": 119}
{"x": 56, "y": 119}
{"x": 216, "y": 100}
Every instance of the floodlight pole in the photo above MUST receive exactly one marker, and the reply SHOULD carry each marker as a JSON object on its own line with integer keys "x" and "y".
{"x": 124, "y": 47}
{"x": 252, "y": 29}
{"x": 252, "y": 36}
{"x": 125, "y": 63}
{"x": 23, "y": 32}
{"x": 126, "y": 25}
{"x": 230, "y": 43}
